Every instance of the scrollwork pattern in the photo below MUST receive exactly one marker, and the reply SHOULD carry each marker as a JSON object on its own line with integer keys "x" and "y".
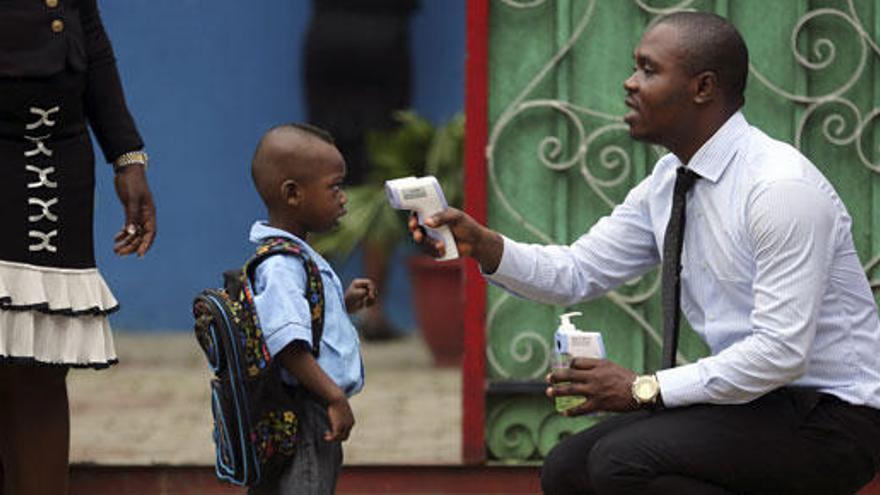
{"x": 663, "y": 11}
{"x": 511, "y": 435}
{"x": 825, "y": 54}
{"x": 584, "y": 146}
{"x": 524, "y": 428}
{"x": 524, "y": 4}
{"x": 529, "y": 350}
{"x": 869, "y": 268}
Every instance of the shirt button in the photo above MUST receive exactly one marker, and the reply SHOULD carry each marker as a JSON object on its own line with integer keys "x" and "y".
{"x": 51, "y": 3}
{"x": 57, "y": 26}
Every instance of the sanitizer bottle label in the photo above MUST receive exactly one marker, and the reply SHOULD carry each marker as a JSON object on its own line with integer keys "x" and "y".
{"x": 570, "y": 343}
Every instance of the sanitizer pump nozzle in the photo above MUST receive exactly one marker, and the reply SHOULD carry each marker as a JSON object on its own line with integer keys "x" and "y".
{"x": 565, "y": 320}
{"x": 570, "y": 342}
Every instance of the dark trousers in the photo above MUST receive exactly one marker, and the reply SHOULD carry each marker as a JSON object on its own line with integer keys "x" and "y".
{"x": 316, "y": 465}
{"x": 791, "y": 441}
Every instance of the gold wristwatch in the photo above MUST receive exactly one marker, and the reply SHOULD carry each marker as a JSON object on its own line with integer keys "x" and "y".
{"x": 130, "y": 158}
{"x": 646, "y": 390}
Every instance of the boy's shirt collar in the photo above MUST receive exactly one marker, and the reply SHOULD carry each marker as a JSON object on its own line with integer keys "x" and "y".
{"x": 261, "y": 230}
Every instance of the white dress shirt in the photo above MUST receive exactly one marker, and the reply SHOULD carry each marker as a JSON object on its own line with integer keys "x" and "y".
{"x": 771, "y": 280}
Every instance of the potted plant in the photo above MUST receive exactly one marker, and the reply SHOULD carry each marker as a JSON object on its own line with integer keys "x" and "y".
{"x": 414, "y": 148}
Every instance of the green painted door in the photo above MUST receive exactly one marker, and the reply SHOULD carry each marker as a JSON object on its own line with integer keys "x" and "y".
{"x": 560, "y": 157}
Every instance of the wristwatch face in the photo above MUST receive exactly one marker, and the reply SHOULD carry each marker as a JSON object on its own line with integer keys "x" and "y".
{"x": 645, "y": 389}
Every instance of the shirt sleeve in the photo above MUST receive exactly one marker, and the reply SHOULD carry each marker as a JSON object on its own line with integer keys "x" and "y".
{"x": 105, "y": 104}
{"x": 617, "y": 248}
{"x": 791, "y": 225}
{"x": 283, "y": 311}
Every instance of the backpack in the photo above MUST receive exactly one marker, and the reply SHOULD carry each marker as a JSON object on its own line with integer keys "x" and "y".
{"x": 255, "y": 414}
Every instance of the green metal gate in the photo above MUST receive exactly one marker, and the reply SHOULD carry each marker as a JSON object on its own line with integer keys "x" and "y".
{"x": 560, "y": 157}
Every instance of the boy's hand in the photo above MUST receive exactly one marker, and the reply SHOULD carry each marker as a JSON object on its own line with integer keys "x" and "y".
{"x": 341, "y": 420}
{"x": 300, "y": 363}
{"x": 361, "y": 293}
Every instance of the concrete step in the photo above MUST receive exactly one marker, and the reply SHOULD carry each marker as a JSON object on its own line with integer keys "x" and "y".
{"x": 355, "y": 480}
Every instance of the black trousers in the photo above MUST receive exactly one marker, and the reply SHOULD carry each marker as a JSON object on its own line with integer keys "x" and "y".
{"x": 791, "y": 441}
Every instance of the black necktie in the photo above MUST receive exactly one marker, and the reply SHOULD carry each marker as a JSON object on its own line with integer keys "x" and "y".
{"x": 671, "y": 274}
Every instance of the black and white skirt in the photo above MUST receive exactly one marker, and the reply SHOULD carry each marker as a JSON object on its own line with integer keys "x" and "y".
{"x": 53, "y": 301}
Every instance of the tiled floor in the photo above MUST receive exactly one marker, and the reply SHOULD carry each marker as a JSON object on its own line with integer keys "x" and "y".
{"x": 153, "y": 407}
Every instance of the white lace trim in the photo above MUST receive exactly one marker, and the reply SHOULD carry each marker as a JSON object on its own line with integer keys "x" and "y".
{"x": 84, "y": 341}
{"x": 54, "y": 290}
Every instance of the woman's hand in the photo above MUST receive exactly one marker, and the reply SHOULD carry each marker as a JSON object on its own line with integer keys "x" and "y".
{"x": 139, "y": 231}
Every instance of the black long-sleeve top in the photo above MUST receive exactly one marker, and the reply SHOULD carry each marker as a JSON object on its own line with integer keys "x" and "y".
{"x": 40, "y": 38}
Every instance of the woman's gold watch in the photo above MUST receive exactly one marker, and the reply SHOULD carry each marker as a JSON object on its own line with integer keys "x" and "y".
{"x": 130, "y": 158}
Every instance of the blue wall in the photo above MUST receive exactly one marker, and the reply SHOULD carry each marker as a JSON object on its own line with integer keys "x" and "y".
{"x": 204, "y": 80}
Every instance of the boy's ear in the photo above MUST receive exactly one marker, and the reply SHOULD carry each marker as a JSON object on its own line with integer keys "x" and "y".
{"x": 291, "y": 192}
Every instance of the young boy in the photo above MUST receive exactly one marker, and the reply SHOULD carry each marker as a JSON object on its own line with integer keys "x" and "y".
{"x": 298, "y": 173}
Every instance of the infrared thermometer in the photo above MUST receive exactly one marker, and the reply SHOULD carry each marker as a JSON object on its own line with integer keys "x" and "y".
{"x": 424, "y": 196}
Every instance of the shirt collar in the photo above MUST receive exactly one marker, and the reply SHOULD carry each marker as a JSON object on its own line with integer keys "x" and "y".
{"x": 260, "y": 231}
{"x": 715, "y": 155}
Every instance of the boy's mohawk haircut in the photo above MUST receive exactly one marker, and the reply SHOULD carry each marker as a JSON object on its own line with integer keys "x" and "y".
{"x": 310, "y": 129}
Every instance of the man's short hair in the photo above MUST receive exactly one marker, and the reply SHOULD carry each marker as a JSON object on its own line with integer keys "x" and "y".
{"x": 711, "y": 42}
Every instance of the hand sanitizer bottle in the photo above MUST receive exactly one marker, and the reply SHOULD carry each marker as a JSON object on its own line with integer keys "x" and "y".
{"x": 570, "y": 342}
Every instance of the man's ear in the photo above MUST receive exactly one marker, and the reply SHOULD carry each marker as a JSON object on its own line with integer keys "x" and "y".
{"x": 291, "y": 192}
{"x": 705, "y": 85}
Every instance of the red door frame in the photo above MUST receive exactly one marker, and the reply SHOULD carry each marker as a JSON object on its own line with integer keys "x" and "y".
{"x": 476, "y": 133}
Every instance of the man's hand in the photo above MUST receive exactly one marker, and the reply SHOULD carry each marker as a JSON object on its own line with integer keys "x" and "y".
{"x": 139, "y": 231}
{"x": 471, "y": 238}
{"x": 341, "y": 420}
{"x": 606, "y": 386}
{"x": 361, "y": 293}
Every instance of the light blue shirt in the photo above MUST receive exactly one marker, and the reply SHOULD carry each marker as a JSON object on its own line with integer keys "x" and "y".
{"x": 279, "y": 285}
{"x": 771, "y": 280}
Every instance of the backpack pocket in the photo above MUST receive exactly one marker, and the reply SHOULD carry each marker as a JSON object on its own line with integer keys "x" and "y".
{"x": 233, "y": 462}
{"x": 274, "y": 425}
{"x": 206, "y": 336}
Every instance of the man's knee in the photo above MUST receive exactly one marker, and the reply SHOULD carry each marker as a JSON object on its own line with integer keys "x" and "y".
{"x": 565, "y": 468}
{"x": 610, "y": 466}
{"x": 615, "y": 464}
{"x": 559, "y": 473}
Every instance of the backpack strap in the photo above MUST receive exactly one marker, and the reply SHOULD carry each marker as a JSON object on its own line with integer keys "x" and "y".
{"x": 314, "y": 292}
